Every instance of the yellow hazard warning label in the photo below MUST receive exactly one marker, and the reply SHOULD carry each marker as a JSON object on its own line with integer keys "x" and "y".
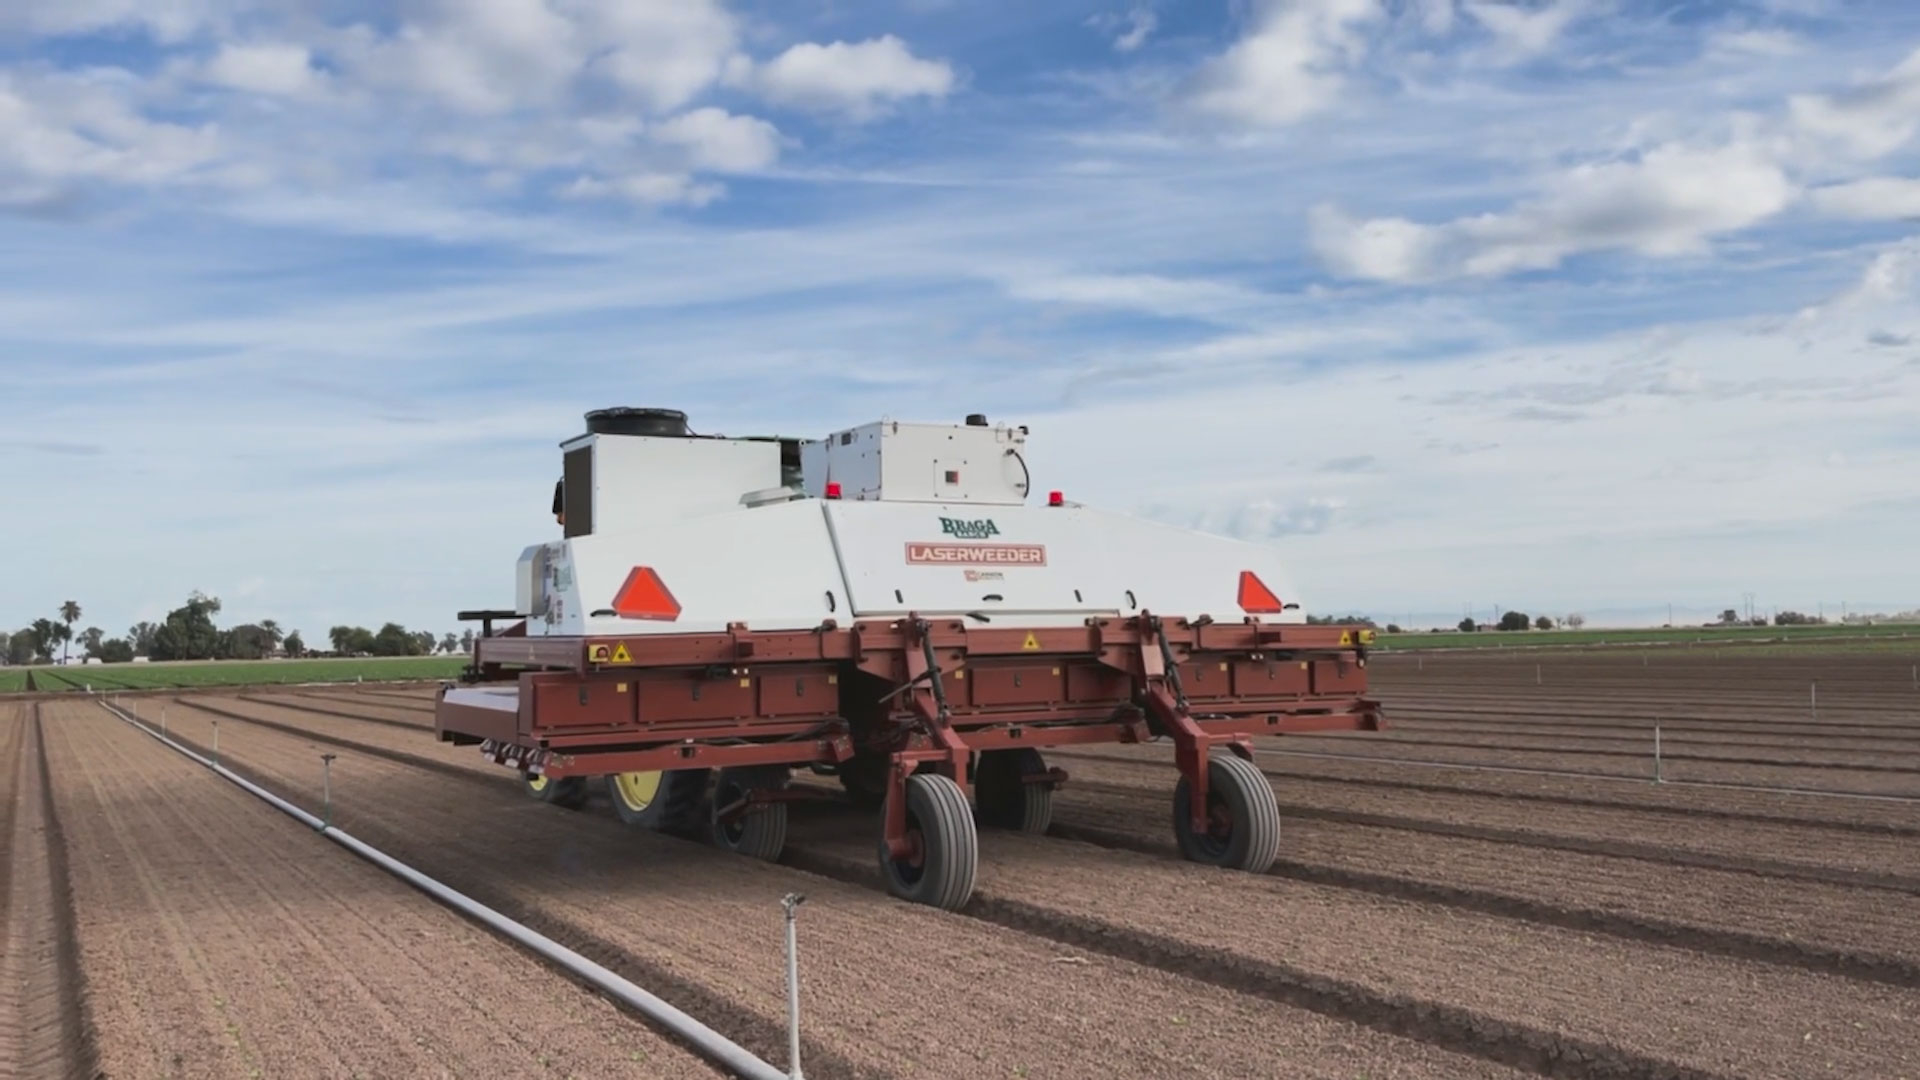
{"x": 622, "y": 656}
{"x": 597, "y": 654}
{"x": 1032, "y": 644}
{"x": 1346, "y": 638}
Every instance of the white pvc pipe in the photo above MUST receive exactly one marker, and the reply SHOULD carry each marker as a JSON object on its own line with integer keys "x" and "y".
{"x": 702, "y": 1038}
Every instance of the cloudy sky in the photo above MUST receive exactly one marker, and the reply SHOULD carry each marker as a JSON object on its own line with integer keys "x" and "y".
{"x": 1591, "y": 305}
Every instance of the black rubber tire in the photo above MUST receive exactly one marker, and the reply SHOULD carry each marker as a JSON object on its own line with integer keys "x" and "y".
{"x": 949, "y": 848}
{"x": 762, "y": 832}
{"x": 1249, "y": 834}
{"x": 569, "y": 793}
{"x": 675, "y": 808}
{"x": 1002, "y": 799}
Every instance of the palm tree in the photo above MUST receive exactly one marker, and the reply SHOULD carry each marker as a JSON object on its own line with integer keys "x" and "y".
{"x": 274, "y": 635}
{"x": 70, "y": 614}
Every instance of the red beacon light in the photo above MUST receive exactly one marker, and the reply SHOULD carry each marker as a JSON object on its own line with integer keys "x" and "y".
{"x": 833, "y": 489}
{"x": 1056, "y": 498}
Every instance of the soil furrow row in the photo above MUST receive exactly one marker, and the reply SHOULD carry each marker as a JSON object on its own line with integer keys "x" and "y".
{"x": 999, "y": 1026}
{"x": 45, "y": 1033}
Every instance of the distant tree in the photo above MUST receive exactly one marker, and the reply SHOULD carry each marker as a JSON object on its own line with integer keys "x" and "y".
{"x": 247, "y": 641}
{"x": 115, "y": 651}
{"x": 1468, "y": 626}
{"x": 188, "y": 633}
{"x": 46, "y": 635}
{"x": 22, "y": 647}
{"x": 1575, "y": 620}
{"x": 90, "y": 640}
{"x": 140, "y": 636}
{"x": 426, "y": 641}
{"x": 59, "y": 634}
{"x": 1543, "y": 623}
{"x": 352, "y": 640}
{"x": 1729, "y": 617}
{"x": 466, "y": 642}
{"x": 394, "y": 640}
{"x": 450, "y": 642}
{"x": 1795, "y": 618}
{"x": 1393, "y": 628}
{"x": 69, "y": 614}
{"x": 272, "y": 630}
{"x": 1515, "y": 620}
{"x": 293, "y": 645}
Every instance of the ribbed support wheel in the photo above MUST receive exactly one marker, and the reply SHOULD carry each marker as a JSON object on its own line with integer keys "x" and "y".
{"x": 939, "y": 868}
{"x": 1002, "y": 797}
{"x": 760, "y": 833}
{"x": 1243, "y": 819}
{"x": 661, "y": 801}
{"x": 569, "y": 792}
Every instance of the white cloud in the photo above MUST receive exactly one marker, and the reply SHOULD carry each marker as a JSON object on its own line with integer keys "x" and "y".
{"x": 1525, "y": 31}
{"x": 1289, "y": 65}
{"x": 652, "y": 189}
{"x": 1881, "y": 198}
{"x": 1872, "y": 120}
{"x": 1744, "y": 44}
{"x": 286, "y": 70}
{"x": 1129, "y": 31}
{"x": 718, "y": 140}
{"x": 168, "y": 20}
{"x": 857, "y": 79}
{"x": 59, "y": 129}
{"x": 1436, "y": 16}
{"x": 1668, "y": 201}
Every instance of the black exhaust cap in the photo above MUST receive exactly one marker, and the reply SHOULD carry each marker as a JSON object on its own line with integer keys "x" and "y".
{"x": 626, "y": 420}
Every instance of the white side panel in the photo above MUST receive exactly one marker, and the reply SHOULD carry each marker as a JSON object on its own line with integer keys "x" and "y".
{"x": 1052, "y": 565}
{"x": 639, "y": 481}
{"x": 771, "y": 567}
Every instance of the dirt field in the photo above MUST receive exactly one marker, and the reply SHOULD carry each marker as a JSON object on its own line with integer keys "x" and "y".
{"x": 1511, "y": 895}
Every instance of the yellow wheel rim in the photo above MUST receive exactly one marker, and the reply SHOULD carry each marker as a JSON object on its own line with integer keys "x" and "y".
{"x": 536, "y": 784}
{"x": 637, "y": 789}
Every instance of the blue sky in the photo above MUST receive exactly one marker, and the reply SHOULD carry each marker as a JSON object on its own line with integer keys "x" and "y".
{"x": 1566, "y": 305}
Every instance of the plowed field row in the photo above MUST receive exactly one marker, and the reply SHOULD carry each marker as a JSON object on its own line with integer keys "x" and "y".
{"x": 1501, "y": 1028}
{"x": 679, "y": 917}
{"x": 218, "y": 938}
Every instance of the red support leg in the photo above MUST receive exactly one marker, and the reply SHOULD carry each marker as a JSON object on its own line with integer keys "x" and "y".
{"x": 935, "y": 742}
{"x": 1191, "y": 744}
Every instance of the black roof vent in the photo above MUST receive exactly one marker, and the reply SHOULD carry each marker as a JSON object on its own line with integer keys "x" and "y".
{"x": 626, "y": 420}
{"x": 976, "y": 419}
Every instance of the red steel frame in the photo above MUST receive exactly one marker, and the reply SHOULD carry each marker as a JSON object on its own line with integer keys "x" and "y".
{"x": 901, "y": 687}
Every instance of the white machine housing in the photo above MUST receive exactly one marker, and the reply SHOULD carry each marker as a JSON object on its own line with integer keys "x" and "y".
{"x": 709, "y": 517}
{"x": 950, "y": 463}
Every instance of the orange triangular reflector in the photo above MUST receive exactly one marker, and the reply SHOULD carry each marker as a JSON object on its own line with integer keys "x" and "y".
{"x": 645, "y": 596}
{"x": 1255, "y": 597}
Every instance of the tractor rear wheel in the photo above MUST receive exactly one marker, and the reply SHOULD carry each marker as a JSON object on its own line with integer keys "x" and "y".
{"x": 1004, "y": 798}
{"x": 1243, "y": 819}
{"x": 943, "y": 848}
{"x": 662, "y": 801}
{"x": 761, "y": 831}
{"x": 569, "y": 792}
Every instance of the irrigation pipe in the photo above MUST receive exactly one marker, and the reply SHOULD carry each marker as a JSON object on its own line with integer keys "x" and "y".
{"x": 710, "y": 1043}
{"x": 1728, "y": 785}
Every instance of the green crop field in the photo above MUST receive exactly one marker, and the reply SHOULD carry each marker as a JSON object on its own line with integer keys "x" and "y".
{"x": 191, "y": 675}
{"x": 1822, "y": 636}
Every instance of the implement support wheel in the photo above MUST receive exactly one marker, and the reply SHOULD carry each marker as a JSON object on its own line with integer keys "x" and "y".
{"x": 570, "y": 792}
{"x": 661, "y": 801}
{"x": 1004, "y": 799}
{"x": 938, "y": 868}
{"x": 1243, "y": 820}
{"x": 760, "y": 832}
